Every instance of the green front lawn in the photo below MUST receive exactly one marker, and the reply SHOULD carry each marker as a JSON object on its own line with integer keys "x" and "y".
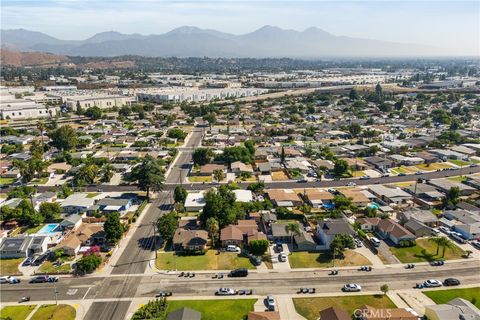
{"x": 10, "y": 266}
{"x": 443, "y": 296}
{"x": 216, "y": 309}
{"x": 200, "y": 179}
{"x": 92, "y": 194}
{"x": 39, "y": 180}
{"x": 426, "y": 251}
{"x": 303, "y": 259}
{"x": 311, "y": 307}
{"x": 16, "y": 312}
{"x": 7, "y": 181}
{"x": 54, "y": 312}
{"x": 459, "y": 162}
{"x": 49, "y": 267}
{"x": 209, "y": 261}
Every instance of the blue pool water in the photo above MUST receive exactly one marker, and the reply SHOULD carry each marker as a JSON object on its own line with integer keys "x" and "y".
{"x": 374, "y": 205}
{"x": 48, "y": 228}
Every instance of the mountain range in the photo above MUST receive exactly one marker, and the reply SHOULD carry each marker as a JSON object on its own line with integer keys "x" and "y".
{"x": 268, "y": 41}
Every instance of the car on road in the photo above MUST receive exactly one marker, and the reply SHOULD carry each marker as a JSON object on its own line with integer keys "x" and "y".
{"x": 364, "y": 177}
{"x": 351, "y": 287}
{"x": 402, "y": 174}
{"x": 419, "y": 173}
{"x": 282, "y": 257}
{"x": 475, "y": 243}
{"x": 351, "y": 184}
{"x": 302, "y": 180}
{"x": 270, "y": 303}
{"x": 238, "y": 273}
{"x": 43, "y": 279}
{"x": 451, "y": 282}
{"x": 9, "y": 279}
{"x": 226, "y": 292}
{"x": 432, "y": 283}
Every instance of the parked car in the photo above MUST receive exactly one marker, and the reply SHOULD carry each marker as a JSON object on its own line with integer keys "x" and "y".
{"x": 457, "y": 237}
{"x": 238, "y": 273}
{"x": 445, "y": 230}
{"x": 451, "y": 282}
{"x": 351, "y": 184}
{"x": 432, "y": 283}
{"x": 27, "y": 262}
{"x": 364, "y": 177}
{"x": 256, "y": 261}
{"x": 225, "y": 292}
{"x": 43, "y": 279}
{"x": 232, "y": 248}
{"x": 476, "y": 244}
{"x": 402, "y": 174}
{"x": 282, "y": 257}
{"x": 270, "y": 303}
{"x": 279, "y": 247}
{"x": 351, "y": 287}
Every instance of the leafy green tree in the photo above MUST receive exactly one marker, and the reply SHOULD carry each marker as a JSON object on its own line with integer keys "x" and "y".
{"x": 340, "y": 243}
{"x": 256, "y": 187}
{"x": 353, "y": 94}
{"x": 93, "y": 113}
{"x": 452, "y": 197}
{"x": 237, "y": 153}
{"x": 87, "y": 174}
{"x": 154, "y": 309}
{"x": 21, "y": 192}
{"x": 202, "y": 156}
{"x": 27, "y": 214}
{"x": 384, "y": 288}
{"x": 167, "y": 224}
{"x": 89, "y": 263}
{"x": 50, "y": 211}
{"x": 258, "y": 247}
{"x": 250, "y": 145}
{"x": 148, "y": 174}
{"x": 340, "y": 168}
{"x": 354, "y": 129}
{"x": 64, "y": 191}
{"x": 177, "y": 133}
{"x": 113, "y": 228}
{"x": 180, "y": 194}
{"x": 218, "y": 175}
{"x": 220, "y": 204}
{"x": 125, "y": 111}
{"x": 63, "y": 138}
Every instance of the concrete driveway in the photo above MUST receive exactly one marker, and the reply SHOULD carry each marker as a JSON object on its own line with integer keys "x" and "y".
{"x": 277, "y": 265}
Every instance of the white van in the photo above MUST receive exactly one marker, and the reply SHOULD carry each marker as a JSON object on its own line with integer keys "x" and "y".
{"x": 375, "y": 241}
{"x": 232, "y": 248}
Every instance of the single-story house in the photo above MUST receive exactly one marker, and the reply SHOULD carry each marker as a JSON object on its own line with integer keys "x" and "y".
{"x": 424, "y": 216}
{"x": 190, "y": 240}
{"x": 76, "y": 203}
{"x": 371, "y": 313}
{"x": 418, "y": 228}
{"x": 195, "y": 201}
{"x": 284, "y": 197}
{"x": 318, "y": 197}
{"x": 209, "y": 168}
{"x": 386, "y": 229}
{"x": 23, "y": 246}
{"x": 444, "y": 184}
{"x": 334, "y": 313}
{"x": 239, "y": 167}
{"x": 457, "y": 308}
{"x": 87, "y": 234}
{"x": 304, "y": 242}
{"x": 357, "y": 196}
{"x": 389, "y": 194}
{"x": 114, "y": 204}
{"x": 71, "y": 222}
{"x": 184, "y": 314}
{"x": 279, "y": 234}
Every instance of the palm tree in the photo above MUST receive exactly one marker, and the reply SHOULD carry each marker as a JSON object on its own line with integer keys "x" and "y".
{"x": 445, "y": 243}
{"x": 218, "y": 175}
{"x": 437, "y": 241}
{"x": 107, "y": 172}
{"x": 41, "y": 128}
{"x": 293, "y": 229}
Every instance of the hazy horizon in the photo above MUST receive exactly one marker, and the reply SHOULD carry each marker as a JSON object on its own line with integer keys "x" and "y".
{"x": 442, "y": 24}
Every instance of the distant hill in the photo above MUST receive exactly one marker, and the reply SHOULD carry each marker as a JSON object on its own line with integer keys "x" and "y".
{"x": 15, "y": 58}
{"x": 188, "y": 41}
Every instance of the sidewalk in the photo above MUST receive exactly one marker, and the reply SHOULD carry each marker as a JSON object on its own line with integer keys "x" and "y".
{"x": 286, "y": 308}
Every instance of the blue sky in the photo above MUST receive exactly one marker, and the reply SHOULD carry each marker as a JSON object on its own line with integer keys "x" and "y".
{"x": 444, "y": 24}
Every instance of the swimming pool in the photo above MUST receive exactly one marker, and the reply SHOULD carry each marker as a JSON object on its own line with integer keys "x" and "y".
{"x": 48, "y": 228}
{"x": 374, "y": 205}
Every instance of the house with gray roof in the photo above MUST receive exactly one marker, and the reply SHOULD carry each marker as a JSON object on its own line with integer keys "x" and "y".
{"x": 328, "y": 229}
{"x": 23, "y": 246}
{"x": 456, "y": 309}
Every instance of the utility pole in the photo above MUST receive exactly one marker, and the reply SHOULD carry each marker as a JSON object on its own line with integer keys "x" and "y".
{"x": 154, "y": 240}
{"x": 55, "y": 291}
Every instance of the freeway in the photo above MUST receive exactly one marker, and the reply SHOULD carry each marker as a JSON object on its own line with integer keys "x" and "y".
{"x": 110, "y": 294}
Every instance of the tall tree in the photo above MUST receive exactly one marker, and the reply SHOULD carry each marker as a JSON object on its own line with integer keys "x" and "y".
{"x": 149, "y": 175}
{"x": 218, "y": 175}
{"x": 113, "y": 228}
{"x": 106, "y": 172}
{"x": 213, "y": 228}
{"x": 437, "y": 241}
{"x": 292, "y": 228}
{"x": 202, "y": 156}
{"x": 180, "y": 194}
{"x": 282, "y": 155}
{"x": 167, "y": 224}
{"x": 452, "y": 197}
{"x": 64, "y": 138}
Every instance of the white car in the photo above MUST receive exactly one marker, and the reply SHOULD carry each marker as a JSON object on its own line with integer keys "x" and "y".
{"x": 226, "y": 292}
{"x": 282, "y": 257}
{"x": 270, "y": 303}
{"x": 432, "y": 283}
{"x": 445, "y": 230}
{"x": 351, "y": 287}
{"x": 351, "y": 184}
{"x": 9, "y": 279}
{"x": 232, "y": 248}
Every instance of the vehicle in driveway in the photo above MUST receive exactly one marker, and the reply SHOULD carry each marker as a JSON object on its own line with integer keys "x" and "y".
{"x": 375, "y": 241}
{"x": 445, "y": 230}
{"x": 270, "y": 303}
{"x": 457, "y": 237}
{"x": 476, "y": 244}
{"x": 225, "y": 292}
{"x": 451, "y": 282}
{"x": 282, "y": 257}
{"x": 432, "y": 283}
{"x": 279, "y": 247}
{"x": 232, "y": 248}
{"x": 238, "y": 273}
{"x": 27, "y": 262}
{"x": 351, "y": 287}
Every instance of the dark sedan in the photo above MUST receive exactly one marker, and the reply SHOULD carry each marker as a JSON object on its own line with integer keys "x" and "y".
{"x": 451, "y": 282}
